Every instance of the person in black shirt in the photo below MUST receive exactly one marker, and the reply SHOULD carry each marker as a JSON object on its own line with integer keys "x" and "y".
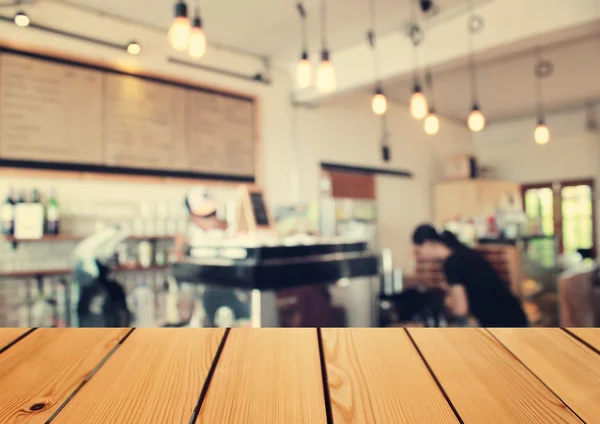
{"x": 474, "y": 287}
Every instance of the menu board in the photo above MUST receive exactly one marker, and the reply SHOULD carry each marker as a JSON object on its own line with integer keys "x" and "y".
{"x": 49, "y": 112}
{"x": 144, "y": 124}
{"x": 220, "y": 134}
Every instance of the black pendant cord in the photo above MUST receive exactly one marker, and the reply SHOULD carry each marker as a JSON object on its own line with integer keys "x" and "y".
{"x": 428, "y": 74}
{"x": 371, "y": 37}
{"x": 323, "y": 25}
{"x": 414, "y": 40}
{"x": 304, "y": 33}
{"x": 538, "y": 85}
{"x": 472, "y": 70}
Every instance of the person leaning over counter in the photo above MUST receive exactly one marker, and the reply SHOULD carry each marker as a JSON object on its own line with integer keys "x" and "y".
{"x": 474, "y": 288}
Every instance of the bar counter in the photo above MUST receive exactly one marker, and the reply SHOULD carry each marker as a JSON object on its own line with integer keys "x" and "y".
{"x": 300, "y": 376}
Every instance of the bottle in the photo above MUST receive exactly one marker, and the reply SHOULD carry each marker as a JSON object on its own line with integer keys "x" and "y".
{"x": 52, "y": 215}
{"x": 21, "y": 198}
{"x": 8, "y": 214}
{"x": 35, "y": 196}
{"x": 143, "y": 297}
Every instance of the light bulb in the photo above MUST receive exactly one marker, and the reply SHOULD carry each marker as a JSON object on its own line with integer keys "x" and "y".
{"x": 541, "y": 134}
{"x": 418, "y": 103}
{"x": 134, "y": 48}
{"x": 303, "y": 71}
{"x": 432, "y": 123}
{"x": 379, "y": 102}
{"x": 22, "y": 20}
{"x": 179, "y": 32}
{"x": 325, "y": 74}
{"x": 197, "y": 45}
{"x": 476, "y": 119}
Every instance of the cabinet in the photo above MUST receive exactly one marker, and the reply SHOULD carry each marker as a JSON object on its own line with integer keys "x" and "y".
{"x": 472, "y": 198}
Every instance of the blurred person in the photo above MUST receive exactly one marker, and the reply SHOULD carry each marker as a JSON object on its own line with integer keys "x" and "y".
{"x": 473, "y": 287}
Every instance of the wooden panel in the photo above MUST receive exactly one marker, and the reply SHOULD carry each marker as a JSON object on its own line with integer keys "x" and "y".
{"x": 569, "y": 368}
{"x": 8, "y": 335}
{"x": 267, "y": 375}
{"x": 144, "y": 124}
{"x": 483, "y": 380}
{"x": 589, "y": 335}
{"x": 365, "y": 370}
{"x": 352, "y": 185}
{"x": 46, "y": 367}
{"x": 156, "y": 376}
{"x": 49, "y": 112}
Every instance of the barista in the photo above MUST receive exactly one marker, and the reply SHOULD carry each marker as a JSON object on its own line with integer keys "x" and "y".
{"x": 474, "y": 288}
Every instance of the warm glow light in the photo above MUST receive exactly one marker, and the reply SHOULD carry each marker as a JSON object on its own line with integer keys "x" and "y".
{"x": 326, "y": 77}
{"x": 179, "y": 33}
{"x": 476, "y": 120}
{"x": 134, "y": 48}
{"x": 22, "y": 20}
{"x": 197, "y": 47}
{"x": 418, "y": 105}
{"x": 379, "y": 103}
{"x": 303, "y": 72}
{"x": 541, "y": 134}
{"x": 432, "y": 124}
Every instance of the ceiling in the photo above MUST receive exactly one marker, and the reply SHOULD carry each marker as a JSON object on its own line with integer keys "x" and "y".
{"x": 271, "y": 27}
{"x": 506, "y": 79}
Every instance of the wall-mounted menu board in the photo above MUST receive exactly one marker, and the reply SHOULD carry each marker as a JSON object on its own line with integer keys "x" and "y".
{"x": 53, "y": 111}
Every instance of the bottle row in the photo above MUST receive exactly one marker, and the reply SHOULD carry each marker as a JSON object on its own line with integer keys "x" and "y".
{"x": 28, "y": 216}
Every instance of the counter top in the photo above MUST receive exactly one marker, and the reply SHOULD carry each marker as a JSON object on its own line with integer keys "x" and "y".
{"x": 300, "y": 376}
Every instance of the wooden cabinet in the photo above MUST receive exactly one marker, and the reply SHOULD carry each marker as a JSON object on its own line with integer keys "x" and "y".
{"x": 471, "y": 198}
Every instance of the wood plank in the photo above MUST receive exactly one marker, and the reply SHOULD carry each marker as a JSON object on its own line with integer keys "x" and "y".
{"x": 156, "y": 376}
{"x": 484, "y": 382}
{"x": 8, "y": 335}
{"x": 46, "y": 367}
{"x": 588, "y": 335}
{"x": 267, "y": 375}
{"x": 365, "y": 368}
{"x": 568, "y": 367}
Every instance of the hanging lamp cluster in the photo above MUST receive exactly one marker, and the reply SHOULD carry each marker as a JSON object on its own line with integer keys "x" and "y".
{"x": 185, "y": 35}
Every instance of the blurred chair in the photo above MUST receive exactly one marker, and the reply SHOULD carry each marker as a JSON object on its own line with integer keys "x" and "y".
{"x": 579, "y": 297}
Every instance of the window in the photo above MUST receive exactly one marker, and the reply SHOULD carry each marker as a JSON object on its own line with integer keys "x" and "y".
{"x": 564, "y": 209}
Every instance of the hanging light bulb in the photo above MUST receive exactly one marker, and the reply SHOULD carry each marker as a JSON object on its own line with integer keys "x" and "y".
{"x": 179, "y": 32}
{"x": 325, "y": 74}
{"x": 134, "y": 48}
{"x": 541, "y": 133}
{"x": 432, "y": 123}
{"x": 197, "y": 45}
{"x": 476, "y": 119}
{"x": 21, "y": 19}
{"x": 379, "y": 103}
{"x": 303, "y": 71}
{"x": 418, "y": 103}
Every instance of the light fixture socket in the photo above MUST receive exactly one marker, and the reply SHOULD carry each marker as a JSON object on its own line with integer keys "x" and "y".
{"x": 541, "y": 121}
{"x": 181, "y": 9}
{"x": 431, "y": 111}
{"x": 304, "y": 55}
{"x": 378, "y": 89}
{"x": 197, "y": 23}
{"x": 475, "y": 107}
{"x": 325, "y": 55}
{"x": 386, "y": 153}
{"x": 417, "y": 87}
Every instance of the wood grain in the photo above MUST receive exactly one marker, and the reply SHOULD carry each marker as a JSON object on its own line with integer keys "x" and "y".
{"x": 484, "y": 382}
{"x": 366, "y": 369}
{"x": 568, "y": 367}
{"x": 267, "y": 375}
{"x": 589, "y": 335}
{"x": 156, "y": 376}
{"x": 8, "y": 335}
{"x": 46, "y": 367}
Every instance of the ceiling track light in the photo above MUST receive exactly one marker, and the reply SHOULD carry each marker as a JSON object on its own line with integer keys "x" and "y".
{"x": 197, "y": 42}
{"x": 418, "y": 101}
{"x": 179, "y": 32}
{"x": 326, "y": 74}
{"x": 379, "y": 101}
{"x": 543, "y": 69}
{"x": 303, "y": 69}
{"x": 476, "y": 119}
{"x": 21, "y": 19}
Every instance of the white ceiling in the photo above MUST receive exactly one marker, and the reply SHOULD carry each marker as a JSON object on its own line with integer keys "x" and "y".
{"x": 506, "y": 78}
{"x": 271, "y": 27}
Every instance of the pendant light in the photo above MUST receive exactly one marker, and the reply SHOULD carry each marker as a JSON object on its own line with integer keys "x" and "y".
{"x": 179, "y": 32}
{"x": 325, "y": 74}
{"x": 543, "y": 69}
{"x": 303, "y": 69}
{"x": 386, "y": 153}
{"x": 197, "y": 44}
{"x": 432, "y": 122}
{"x": 379, "y": 101}
{"x": 21, "y": 19}
{"x": 476, "y": 120}
{"x": 134, "y": 48}
{"x": 418, "y": 101}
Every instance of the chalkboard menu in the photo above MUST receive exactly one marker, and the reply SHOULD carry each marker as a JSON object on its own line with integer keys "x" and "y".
{"x": 53, "y": 111}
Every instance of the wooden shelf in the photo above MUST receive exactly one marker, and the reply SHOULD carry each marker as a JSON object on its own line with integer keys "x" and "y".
{"x": 70, "y": 237}
{"x": 66, "y": 271}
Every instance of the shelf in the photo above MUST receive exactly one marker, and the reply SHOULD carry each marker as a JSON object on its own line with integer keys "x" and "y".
{"x": 70, "y": 237}
{"x": 66, "y": 271}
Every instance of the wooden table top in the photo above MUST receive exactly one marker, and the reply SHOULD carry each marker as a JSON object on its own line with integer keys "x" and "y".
{"x": 288, "y": 376}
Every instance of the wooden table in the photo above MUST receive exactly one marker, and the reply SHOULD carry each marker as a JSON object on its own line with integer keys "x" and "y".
{"x": 288, "y": 376}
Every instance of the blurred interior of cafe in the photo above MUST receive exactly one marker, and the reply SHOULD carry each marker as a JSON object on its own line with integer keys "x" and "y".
{"x": 200, "y": 163}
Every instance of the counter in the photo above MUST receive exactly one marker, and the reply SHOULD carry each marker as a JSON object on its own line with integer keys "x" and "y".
{"x": 303, "y": 376}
